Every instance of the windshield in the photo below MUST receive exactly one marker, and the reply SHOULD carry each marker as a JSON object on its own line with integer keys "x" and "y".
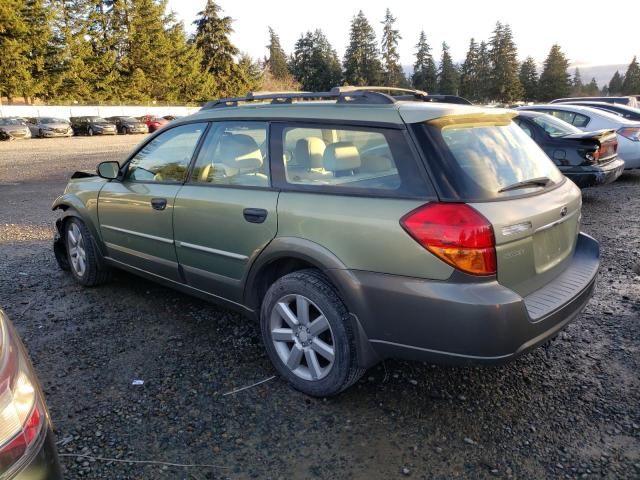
{"x": 555, "y": 127}
{"x": 481, "y": 154}
{"x": 53, "y": 120}
{"x": 96, "y": 120}
{"x": 10, "y": 121}
{"x": 129, "y": 119}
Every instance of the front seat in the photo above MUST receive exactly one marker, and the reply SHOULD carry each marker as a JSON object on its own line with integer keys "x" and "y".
{"x": 342, "y": 159}
{"x": 309, "y": 152}
{"x": 237, "y": 154}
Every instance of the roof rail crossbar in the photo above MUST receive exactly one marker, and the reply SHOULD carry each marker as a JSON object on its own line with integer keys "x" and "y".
{"x": 359, "y": 95}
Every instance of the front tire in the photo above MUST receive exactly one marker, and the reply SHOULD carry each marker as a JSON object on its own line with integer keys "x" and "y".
{"x": 309, "y": 335}
{"x": 90, "y": 132}
{"x": 82, "y": 255}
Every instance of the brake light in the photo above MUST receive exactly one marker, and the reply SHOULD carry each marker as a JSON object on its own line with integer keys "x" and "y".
{"x": 631, "y": 133}
{"x": 455, "y": 233}
{"x": 21, "y": 414}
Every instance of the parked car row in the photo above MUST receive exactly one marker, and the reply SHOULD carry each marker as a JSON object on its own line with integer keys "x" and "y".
{"x": 48, "y": 127}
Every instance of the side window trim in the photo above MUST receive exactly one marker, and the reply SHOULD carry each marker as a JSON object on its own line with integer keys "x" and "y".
{"x": 125, "y": 167}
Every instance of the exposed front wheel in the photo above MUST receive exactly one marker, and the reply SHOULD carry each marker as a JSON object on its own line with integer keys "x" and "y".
{"x": 308, "y": 334}
{"x": 82, "y": 256}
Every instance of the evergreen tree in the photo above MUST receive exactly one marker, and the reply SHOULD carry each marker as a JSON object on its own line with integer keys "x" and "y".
{"x": 555, "y": 81}
{"x": 277, "y": 59}
{"x": 314, "y": 63}
{"x": 392, "y": 74}
{"x": 191, "y": 82}
{"x": 38, "y": 17}
{"x": 469, "y": 87}
{"x": 529, "y": 79}
{"x": 615, "y": 85}
{"x": 227, "y": 78}
{"x": 362, "y": 64}
{"x": 591, "y": 89}
{"x": 483, "y": 72}
{"x": 631, "y": 83}
{"x": 577, "y": 84}
{"x": 250, "y": 74}
{"x": 448, "y": 76}
{"x": 15, "y": 73}
{"x": 504, "y": 65}
{"x": 425, "y": 75}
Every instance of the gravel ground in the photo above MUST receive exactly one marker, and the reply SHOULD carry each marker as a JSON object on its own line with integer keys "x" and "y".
{"x": 568, "y": 410}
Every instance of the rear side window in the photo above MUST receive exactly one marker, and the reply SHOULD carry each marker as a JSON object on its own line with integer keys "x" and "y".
{"x": 345, "y": 159}
{"x": 475, "y": 157}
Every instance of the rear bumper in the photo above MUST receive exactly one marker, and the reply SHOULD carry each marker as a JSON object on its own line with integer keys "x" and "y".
{"x": 596, "y": 175}
{"x": 467, "y": 322}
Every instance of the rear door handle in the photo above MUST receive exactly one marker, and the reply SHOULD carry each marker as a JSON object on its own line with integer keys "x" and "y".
{"x": 255, "y": 215}
{"x": 159, "y": 203}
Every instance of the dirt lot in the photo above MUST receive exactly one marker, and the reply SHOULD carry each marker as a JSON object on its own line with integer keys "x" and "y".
{"x": 571, "y": 409}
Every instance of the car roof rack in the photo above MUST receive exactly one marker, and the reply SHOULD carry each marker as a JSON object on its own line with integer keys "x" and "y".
{"x": 370, "y": 95}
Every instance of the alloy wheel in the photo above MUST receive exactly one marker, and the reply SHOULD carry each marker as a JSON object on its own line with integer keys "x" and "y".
{"x": 302, "y": 337}
{"x": 77, "y": 252}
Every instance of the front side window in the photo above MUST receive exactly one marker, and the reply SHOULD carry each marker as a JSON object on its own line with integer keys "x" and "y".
{"x": 358, "y": 160}
{"x": 166, "y": 158}
{"x": 234, "y": 153}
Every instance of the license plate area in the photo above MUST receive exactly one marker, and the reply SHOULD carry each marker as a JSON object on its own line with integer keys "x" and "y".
{"x": 552, "y": 244}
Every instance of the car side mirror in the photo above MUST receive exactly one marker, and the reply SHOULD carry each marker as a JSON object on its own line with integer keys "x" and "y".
{"x": 109, "y": 170}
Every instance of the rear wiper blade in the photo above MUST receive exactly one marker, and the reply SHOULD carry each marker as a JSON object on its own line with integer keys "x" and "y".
{"x": 532, "y": 182}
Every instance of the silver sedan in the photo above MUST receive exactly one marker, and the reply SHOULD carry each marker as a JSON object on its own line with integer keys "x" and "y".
{"x": 50, "y": 127}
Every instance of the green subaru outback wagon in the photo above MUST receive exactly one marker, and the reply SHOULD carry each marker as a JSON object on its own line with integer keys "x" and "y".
{"x": 354, "y": 225}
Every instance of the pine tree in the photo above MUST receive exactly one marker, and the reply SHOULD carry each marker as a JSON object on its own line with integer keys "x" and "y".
{"x": 191, "y": 82}
{"x": 392, "y": 74}
{"x": 361, "y": 61}
{"x": 469, "y": 87}
{"x": 314, "y": 63}
{"x": 615, "y": 85}
{"x": 448, "y": 76}
{"x": 277, "y": 59}
{"x": 631, "y": 83}
{"x": 38, "y": 17}
{"x": 529, "y": 79}
{"x": 555, "y": 81}
{"x": 483, "y": 71}
{"x": 504, "y": 65}
{"x": 14, "y": 71}
{"x": 576, "y": 83}
{"x": 218, "y": 53}
{"x": 425, "y": 75}
{"x": 591, "y": 89}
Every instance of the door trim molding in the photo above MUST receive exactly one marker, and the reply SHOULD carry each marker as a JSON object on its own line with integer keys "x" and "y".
{"x": 214, "y": 251}
{"x": 138, "y": 234}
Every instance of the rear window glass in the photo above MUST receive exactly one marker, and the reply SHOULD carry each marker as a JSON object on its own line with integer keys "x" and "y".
{"x": 476, "y": 159}
{"x": 350, "y": 159}
{"x": 554, "y": 127}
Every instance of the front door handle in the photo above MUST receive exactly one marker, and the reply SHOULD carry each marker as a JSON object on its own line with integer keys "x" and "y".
{"x": 255, "y": 215}
{"x": 159, "y": 203}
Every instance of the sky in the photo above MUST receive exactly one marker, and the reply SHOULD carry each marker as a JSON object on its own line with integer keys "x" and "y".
{"x": 578, "y": 26}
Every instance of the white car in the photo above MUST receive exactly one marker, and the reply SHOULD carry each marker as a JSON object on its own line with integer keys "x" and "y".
{"x": 591, "y": 119}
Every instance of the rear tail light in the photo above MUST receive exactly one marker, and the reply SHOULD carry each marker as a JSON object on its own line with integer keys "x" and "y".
{"x": 455, "y": 233}
{"x": 632, "y": 133}
{"x": 21, "y": 412}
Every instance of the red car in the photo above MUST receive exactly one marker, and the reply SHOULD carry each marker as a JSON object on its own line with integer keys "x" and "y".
{"x": 154, "y": 123}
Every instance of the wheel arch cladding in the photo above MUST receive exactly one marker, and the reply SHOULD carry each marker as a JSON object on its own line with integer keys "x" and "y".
{"x": 288, "y": 254}
{"x": 70, "y": 210}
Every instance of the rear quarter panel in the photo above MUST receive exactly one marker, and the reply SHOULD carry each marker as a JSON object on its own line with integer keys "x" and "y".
{"x": 364, "y": 233}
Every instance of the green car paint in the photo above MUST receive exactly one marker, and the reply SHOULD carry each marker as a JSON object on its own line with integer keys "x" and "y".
{"x": 203, "y": 242}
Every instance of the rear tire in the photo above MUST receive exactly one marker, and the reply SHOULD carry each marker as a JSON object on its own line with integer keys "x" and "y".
{"x": 309, "y": 334}
{"x": 82, "y": 255}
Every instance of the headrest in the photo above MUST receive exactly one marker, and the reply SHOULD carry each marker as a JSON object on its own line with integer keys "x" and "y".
{"x": 376, "y": 163}
{"x": 309, "y": 152}
{"x": 239, "y": 151}
{"x": 341, "y": 156}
